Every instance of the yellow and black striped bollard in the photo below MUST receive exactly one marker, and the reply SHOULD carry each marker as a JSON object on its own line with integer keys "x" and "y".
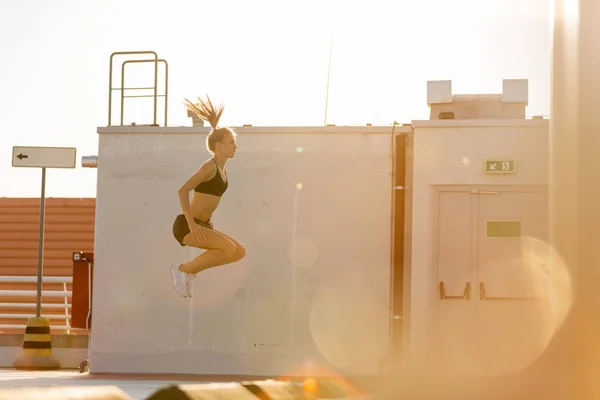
{"x": 36, "y": 353}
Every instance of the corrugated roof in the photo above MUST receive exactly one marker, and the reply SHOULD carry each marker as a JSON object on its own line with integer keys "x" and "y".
{"x": 69, "y": 227}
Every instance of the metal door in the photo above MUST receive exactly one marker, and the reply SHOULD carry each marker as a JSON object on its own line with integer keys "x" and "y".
{"x": 456, "y": 275}
{"x": 512, "y": 284}
{"x": 492, "y": 287}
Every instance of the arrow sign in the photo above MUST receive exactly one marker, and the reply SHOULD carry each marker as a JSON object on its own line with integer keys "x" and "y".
{"x": 44, "y": 157}
{"x": 500, "y": 166}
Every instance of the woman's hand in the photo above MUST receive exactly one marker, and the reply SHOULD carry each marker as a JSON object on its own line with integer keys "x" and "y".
{"x": 197, "y": 232}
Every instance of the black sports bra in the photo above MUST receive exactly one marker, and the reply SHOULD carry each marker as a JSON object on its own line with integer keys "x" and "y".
{"x": 215, "y": 186}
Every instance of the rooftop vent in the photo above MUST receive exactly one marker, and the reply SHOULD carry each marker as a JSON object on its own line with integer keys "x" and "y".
{"x": 510, "y": 104}
{"x": 196, "y": 121}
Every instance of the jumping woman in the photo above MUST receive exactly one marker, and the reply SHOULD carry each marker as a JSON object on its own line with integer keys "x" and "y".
{"x": 193, "y": 227}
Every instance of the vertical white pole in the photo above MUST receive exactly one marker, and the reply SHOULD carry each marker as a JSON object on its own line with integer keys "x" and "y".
{"x": 328, "y": 78}
{"x": 41, "y": 244}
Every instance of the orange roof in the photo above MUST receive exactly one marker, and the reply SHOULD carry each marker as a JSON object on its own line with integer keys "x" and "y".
{"x": 69, "y": 227}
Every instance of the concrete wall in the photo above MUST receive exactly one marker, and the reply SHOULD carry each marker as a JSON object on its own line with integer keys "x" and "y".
{"x": 453, "y": 152}
{"x": 314, "y": 286}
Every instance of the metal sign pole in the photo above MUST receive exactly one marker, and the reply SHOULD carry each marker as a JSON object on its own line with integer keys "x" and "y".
{"x": 37, "y": 349}
{"x": 44, "y": 158}
{"x": 41, "y": 244}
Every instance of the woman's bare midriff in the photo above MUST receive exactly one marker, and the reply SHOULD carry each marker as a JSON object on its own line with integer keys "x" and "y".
{"x": 203, "y": 205}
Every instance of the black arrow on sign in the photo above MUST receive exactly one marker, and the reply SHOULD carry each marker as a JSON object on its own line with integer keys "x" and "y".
{"x": 22, "y": 156}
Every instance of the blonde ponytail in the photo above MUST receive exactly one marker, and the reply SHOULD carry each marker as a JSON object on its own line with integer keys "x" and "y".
{"x": 206, "y": 111}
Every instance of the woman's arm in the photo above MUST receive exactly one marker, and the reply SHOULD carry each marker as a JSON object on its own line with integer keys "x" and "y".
{"x": 206, "y": 171}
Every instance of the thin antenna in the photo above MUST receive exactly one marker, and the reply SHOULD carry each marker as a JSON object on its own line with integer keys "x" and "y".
{"x": 328, "y": 75}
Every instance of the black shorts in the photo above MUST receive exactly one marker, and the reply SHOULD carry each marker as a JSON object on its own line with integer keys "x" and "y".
{"x": 181, "y": 228}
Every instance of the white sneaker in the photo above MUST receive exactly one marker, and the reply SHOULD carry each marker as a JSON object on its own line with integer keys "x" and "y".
{"x": 179, "y": 280}
{"x": 189, "y": 279}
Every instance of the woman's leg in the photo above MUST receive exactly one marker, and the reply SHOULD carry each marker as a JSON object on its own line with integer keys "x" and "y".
{"x": 220, "y": 250}
{"x": 240, "y": 251}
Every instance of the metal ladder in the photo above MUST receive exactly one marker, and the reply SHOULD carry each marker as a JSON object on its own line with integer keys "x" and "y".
{"x": 122, "y": 88}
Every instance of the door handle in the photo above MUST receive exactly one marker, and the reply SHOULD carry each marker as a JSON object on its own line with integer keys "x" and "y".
{"x": 483, "y": 296}
{"x": 466, "y": 294}
{"x": 477, "y": 191}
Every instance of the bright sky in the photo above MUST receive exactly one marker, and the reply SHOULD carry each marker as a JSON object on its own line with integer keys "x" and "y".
{"x": 265, "y": 59}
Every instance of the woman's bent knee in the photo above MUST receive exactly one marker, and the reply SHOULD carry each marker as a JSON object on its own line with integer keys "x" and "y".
{"x": 229, "y": 251}
{"x": 240, "y": 252}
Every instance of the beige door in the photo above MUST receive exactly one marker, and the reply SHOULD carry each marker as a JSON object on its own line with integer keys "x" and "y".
{"x": 512, "y": 232}
{"x": 490, "y": 253}
{"x": 456, "y": 281}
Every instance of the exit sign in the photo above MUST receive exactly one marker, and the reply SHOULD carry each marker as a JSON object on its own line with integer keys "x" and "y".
{"x": 500, "y": 166}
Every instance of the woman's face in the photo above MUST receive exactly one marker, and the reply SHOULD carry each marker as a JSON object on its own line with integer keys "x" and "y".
{"x": 228, "y": 145}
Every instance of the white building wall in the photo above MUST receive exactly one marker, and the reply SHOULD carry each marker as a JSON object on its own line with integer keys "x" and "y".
{"x": 313, "y": 287}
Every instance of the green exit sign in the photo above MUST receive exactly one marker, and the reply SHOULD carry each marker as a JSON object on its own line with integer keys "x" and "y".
{"x": 500, "y": 166}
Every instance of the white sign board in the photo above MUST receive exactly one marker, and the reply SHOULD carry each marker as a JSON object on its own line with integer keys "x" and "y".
{"x": 44, "y": 157}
